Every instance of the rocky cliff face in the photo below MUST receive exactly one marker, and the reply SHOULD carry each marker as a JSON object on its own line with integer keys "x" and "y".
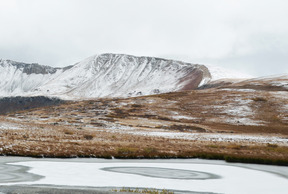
{"x": 106, "y": 75}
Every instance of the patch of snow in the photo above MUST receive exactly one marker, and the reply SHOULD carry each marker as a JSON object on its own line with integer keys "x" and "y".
{"x": 178, "y": 117}
{"x": 150, "y": 101}
{"x": 243, "y": 121}
{"x": 123, "y": 104}
{"x": 280, "y": 83}
{"x": 14, "y": 119}
{"x": 204, "y": 81}
{"x": 118, "y": 128}
{"x": 10, "y": 126}
{"x": 238, "y": 90}
{"x": 240, "y": 111}
{"x": 279, "y": 94}
{"x": 237, "y": 113}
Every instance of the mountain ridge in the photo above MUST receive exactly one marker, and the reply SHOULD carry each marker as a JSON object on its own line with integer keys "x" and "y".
{"x": 30, "y": 68}
{"x": 105, "y": 75}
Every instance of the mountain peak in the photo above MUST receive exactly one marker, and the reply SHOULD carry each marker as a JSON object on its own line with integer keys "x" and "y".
{"x": 33, "y": 68}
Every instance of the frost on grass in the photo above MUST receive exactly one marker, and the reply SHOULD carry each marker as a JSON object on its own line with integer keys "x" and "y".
{"x": 10, "y": 126}
{"x": 238, "y": 90}
{"x": 237, "y": 112}
{"x": 244, "y": 121}
{"x": 239, "y": 107}
{"x": 280, "y": 94}
{"x": 280, "y": 84}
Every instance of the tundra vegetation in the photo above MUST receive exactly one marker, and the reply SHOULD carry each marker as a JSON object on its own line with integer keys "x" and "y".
{"x": 233, "y": 122}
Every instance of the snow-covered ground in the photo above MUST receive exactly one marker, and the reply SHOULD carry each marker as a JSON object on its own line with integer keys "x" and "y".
{"x": 179, "y": 117}
{"x": 185, "y": 177}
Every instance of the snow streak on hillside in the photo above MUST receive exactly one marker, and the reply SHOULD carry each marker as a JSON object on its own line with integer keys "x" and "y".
{"x": 106, "y": 75}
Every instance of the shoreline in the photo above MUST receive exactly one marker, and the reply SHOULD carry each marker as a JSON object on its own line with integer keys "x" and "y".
{"x": 229, "y": 158}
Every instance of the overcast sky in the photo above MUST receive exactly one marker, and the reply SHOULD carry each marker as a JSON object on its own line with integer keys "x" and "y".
{"x": 250, "y": 36}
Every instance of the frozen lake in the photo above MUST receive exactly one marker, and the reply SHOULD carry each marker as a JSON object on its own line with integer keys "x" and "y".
{"x": 179, "y": 175}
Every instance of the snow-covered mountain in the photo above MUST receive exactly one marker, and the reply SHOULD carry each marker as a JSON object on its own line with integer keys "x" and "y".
{"x": 106, "y": 75}
{"x": 20, "y": 78}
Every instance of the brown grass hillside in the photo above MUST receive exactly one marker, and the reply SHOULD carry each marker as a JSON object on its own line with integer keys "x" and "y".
{"x": 236, "y": 122}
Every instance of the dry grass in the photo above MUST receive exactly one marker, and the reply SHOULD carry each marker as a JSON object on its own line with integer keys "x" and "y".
{"x": 55, "y": 142}
{"x": 259, "y": 99}
{"x": 83, "y": 128}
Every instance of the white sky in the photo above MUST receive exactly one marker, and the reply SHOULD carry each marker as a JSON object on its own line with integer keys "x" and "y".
{"x": 246, "y": 35}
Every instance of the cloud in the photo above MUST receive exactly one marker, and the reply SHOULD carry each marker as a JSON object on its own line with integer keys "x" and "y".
{"x": 60, "y": 33}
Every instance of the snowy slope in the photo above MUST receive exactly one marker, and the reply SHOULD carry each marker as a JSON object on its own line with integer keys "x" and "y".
{"x": 106, "y": 75}
{"x": 20, "y": 78}
{"x": 117, "y": 75}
